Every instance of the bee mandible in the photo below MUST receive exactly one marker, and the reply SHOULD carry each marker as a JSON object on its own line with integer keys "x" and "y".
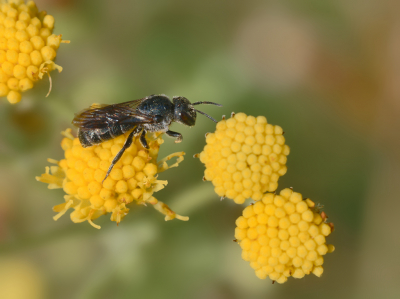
{"x": 154, "y": 113}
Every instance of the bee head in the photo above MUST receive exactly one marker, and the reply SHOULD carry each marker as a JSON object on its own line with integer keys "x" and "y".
{"x": 185, "y": 113}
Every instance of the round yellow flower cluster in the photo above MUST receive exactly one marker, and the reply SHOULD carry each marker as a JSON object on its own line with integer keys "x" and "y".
{"x": 244, "y": 157}
{"x": 283, "y": 235}
{"x": 133, "y": 178}
{"x": 13, "y": 270}
{"x": 28, "y": 47}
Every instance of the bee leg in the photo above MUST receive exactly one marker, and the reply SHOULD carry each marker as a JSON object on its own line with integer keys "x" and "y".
{"x": 143, "y": 140}
{"x": 127, "y": 144}
{"x": 176, "y": 135}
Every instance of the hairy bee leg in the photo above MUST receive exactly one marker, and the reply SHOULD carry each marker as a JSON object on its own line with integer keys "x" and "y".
{"x": 127, "y": 144}
{"x": 176, "y": 135}
{"x": 143, "y": 140}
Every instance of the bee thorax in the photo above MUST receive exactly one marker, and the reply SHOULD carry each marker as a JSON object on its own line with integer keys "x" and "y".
{"x": 160, "y": 127}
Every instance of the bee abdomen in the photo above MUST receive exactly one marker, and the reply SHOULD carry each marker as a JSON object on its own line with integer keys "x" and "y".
{"x": 89, "y": 137}
{"x": 95, "y": 136}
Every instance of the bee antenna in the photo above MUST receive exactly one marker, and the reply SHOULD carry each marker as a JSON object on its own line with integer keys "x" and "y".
{"x": 206, "y": 115}
{"x": 207, "y": 103}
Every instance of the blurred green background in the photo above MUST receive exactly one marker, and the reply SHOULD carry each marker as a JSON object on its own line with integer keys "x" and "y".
{"x": 327, "y": 71}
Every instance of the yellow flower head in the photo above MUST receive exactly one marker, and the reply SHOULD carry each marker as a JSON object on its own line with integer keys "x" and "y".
{"x": 28, "y": 47}
{"x": 133, "y": 178}
{"x": 283, "y": 235}
{"x": 13, "y": 270}
{"x": 244, "y": 157}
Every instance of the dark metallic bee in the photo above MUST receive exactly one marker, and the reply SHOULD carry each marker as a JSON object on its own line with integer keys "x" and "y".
{"x": 154, "y": 113}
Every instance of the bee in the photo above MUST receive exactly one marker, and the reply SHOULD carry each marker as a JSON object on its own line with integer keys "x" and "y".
{"x": 154, "y": 113}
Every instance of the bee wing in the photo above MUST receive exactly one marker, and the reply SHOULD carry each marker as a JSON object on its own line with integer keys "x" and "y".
{"x": 99, "y": 116}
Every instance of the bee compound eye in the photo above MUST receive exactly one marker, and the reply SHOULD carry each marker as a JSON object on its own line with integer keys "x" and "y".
{"x": 187, "y": 119}
{"x": 184, "y": 116}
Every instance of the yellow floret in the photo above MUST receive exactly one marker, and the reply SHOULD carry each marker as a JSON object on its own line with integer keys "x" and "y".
{"x": 13, "y": 97}
{"x": 277, "y": 241}
{"x": 28, "y": 47}
{"x": 24, "y": 59}
{"x": 134, "y": 178}
{"x": 248, "y": 150}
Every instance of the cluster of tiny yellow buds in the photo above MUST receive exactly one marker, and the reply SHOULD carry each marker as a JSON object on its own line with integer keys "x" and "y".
{"x": 133, "y": 178}
{"x": 283, "y": 235}
{"x": 28, "y": 47}
{"x": 245, "y": 157}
